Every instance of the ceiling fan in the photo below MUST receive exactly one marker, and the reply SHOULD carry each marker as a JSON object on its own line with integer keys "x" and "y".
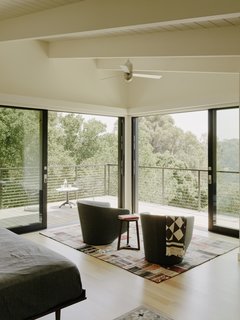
{"x": 127, "y": 68}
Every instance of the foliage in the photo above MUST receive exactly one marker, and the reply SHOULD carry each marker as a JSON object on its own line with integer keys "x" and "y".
{"x": 227, "y": 153}
{"x": 57, "y": 154}
{"x": 19, "y": 136}
{"x": 74, "y": 140}
{"x": 171, "y": 147}
{"x": 170, "y": 143}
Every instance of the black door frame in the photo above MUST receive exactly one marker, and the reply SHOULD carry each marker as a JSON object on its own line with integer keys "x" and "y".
{"x": 43, "y": 192}
{"x": 212, "y": 177}
{"x": 134, "y": 164}
{"x": 121, "y": 162}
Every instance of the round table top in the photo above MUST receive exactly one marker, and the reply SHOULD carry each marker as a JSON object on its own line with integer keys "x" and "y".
{"x": 67, "y": 189}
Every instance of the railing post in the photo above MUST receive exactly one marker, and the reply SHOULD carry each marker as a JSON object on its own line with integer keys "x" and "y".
{"x": 199, "y": 190}
{"x": 76, "y": 178}
{"x": 163, "y": 187}
{"x": 105, "y": 179}
{"x": 1, "y": 188}
{"x": 108, "y": 178}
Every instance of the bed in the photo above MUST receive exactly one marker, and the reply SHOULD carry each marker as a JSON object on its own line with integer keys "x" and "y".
{"x": 35, "y": 281}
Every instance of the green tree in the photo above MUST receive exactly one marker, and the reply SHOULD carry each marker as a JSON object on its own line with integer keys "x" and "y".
{"x": 170, "y": 147}
{"x": 168, "y": 140}
{"x": 19, "y": 133}
{"x": 227, "y": 154}
{"x": 57, "y": 154}
{"x": 80, "y": 138}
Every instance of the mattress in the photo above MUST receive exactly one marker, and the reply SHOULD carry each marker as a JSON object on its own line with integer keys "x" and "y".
{"x": 33, "y": 279}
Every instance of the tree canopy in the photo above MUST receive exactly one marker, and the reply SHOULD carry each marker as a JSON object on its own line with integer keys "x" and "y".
{"x": 75, "y": 140}
{"x": 170, "y": 144}
{"x": 19, "y": 137}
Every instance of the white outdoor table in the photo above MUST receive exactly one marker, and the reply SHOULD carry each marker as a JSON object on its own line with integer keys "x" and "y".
{"x": 67, "y": 190}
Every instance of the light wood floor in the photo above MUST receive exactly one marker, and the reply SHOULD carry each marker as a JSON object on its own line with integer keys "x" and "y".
{"x": 208, "y": 292}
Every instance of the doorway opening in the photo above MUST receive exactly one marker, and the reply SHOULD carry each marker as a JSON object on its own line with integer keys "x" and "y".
{"x": 176, "y": 157}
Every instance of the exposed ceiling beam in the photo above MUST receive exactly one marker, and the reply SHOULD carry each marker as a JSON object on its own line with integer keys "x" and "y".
{"x": 222, "y": 41}
{"x": 95, "y": 15}
{"x": 175, "y": 64}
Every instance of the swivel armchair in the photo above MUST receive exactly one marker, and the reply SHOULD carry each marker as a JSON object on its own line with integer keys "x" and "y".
{"x": 154, "y": 238}
{"x": 99, "y": 222}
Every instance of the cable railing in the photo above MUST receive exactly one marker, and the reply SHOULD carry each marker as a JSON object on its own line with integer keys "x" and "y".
{"x": 178, "y": 187}
{"x": 188, "y": 188}
{"x": 20, "y": 186}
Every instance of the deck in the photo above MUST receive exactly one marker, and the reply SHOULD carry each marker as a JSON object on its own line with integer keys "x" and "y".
{"x": 65, "y": 215}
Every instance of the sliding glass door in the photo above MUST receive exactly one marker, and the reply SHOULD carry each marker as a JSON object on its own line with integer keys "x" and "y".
{"x": 180, "y": 164}
{"x": 223, "y": 175}
{"x": 170, "y": 164}
{"x": 86, "y": 153}
{"x": 23, "y": 169}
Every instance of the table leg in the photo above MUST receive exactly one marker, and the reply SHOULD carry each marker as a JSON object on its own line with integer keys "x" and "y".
{"x": 58, "y": 314}
{"x": 127, "y": 233}
{"x": 138, "y": 238}
{"x": 67, "y": 201}
{"x": 67, "y": 198}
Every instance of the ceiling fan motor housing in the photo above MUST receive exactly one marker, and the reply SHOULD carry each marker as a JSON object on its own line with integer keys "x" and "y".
{"x": 128, "y": 76}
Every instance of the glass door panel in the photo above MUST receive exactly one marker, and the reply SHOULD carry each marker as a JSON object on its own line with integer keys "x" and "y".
{"x": 171, "y": 164}
{"x": 224, "y": 189}
{"x": 84, "y": 151}
{"x": 21, "y": 174}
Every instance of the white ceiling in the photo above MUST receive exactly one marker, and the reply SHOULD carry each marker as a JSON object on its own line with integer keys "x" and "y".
{"x": 19, "y": 8}
{"x": 68, "y": 46}
{"x": 16, "y": 8}
{"x": 198, "y": 23}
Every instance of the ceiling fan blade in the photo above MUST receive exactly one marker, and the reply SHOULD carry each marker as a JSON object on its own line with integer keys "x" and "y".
{"x": 127, "y": 67}
{"x": 124, "y": 68}
{"x": 149, "y": 76}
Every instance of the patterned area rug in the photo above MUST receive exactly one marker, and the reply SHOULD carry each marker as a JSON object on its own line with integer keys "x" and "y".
{"x": 143, "y": 313}
{"x": 201, "y": 250}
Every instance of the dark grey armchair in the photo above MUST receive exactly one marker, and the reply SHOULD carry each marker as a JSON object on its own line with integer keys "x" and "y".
{"x": 154, "y": 238}
{"x": 99, "y": 222}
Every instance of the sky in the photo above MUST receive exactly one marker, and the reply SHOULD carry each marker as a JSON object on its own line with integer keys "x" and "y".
{"x": 109, "y": 121}
{"x": 197, "y": 123}
{"x": 228, "y": 124}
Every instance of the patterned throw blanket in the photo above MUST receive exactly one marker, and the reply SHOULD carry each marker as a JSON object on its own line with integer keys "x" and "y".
{"x": 175, "y": 236}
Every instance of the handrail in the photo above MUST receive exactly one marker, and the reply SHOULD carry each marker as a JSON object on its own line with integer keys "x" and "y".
{"x": 102, "y": 179}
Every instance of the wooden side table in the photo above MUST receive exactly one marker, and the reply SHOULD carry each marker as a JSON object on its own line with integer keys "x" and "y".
{"x": 127, "y": 218}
